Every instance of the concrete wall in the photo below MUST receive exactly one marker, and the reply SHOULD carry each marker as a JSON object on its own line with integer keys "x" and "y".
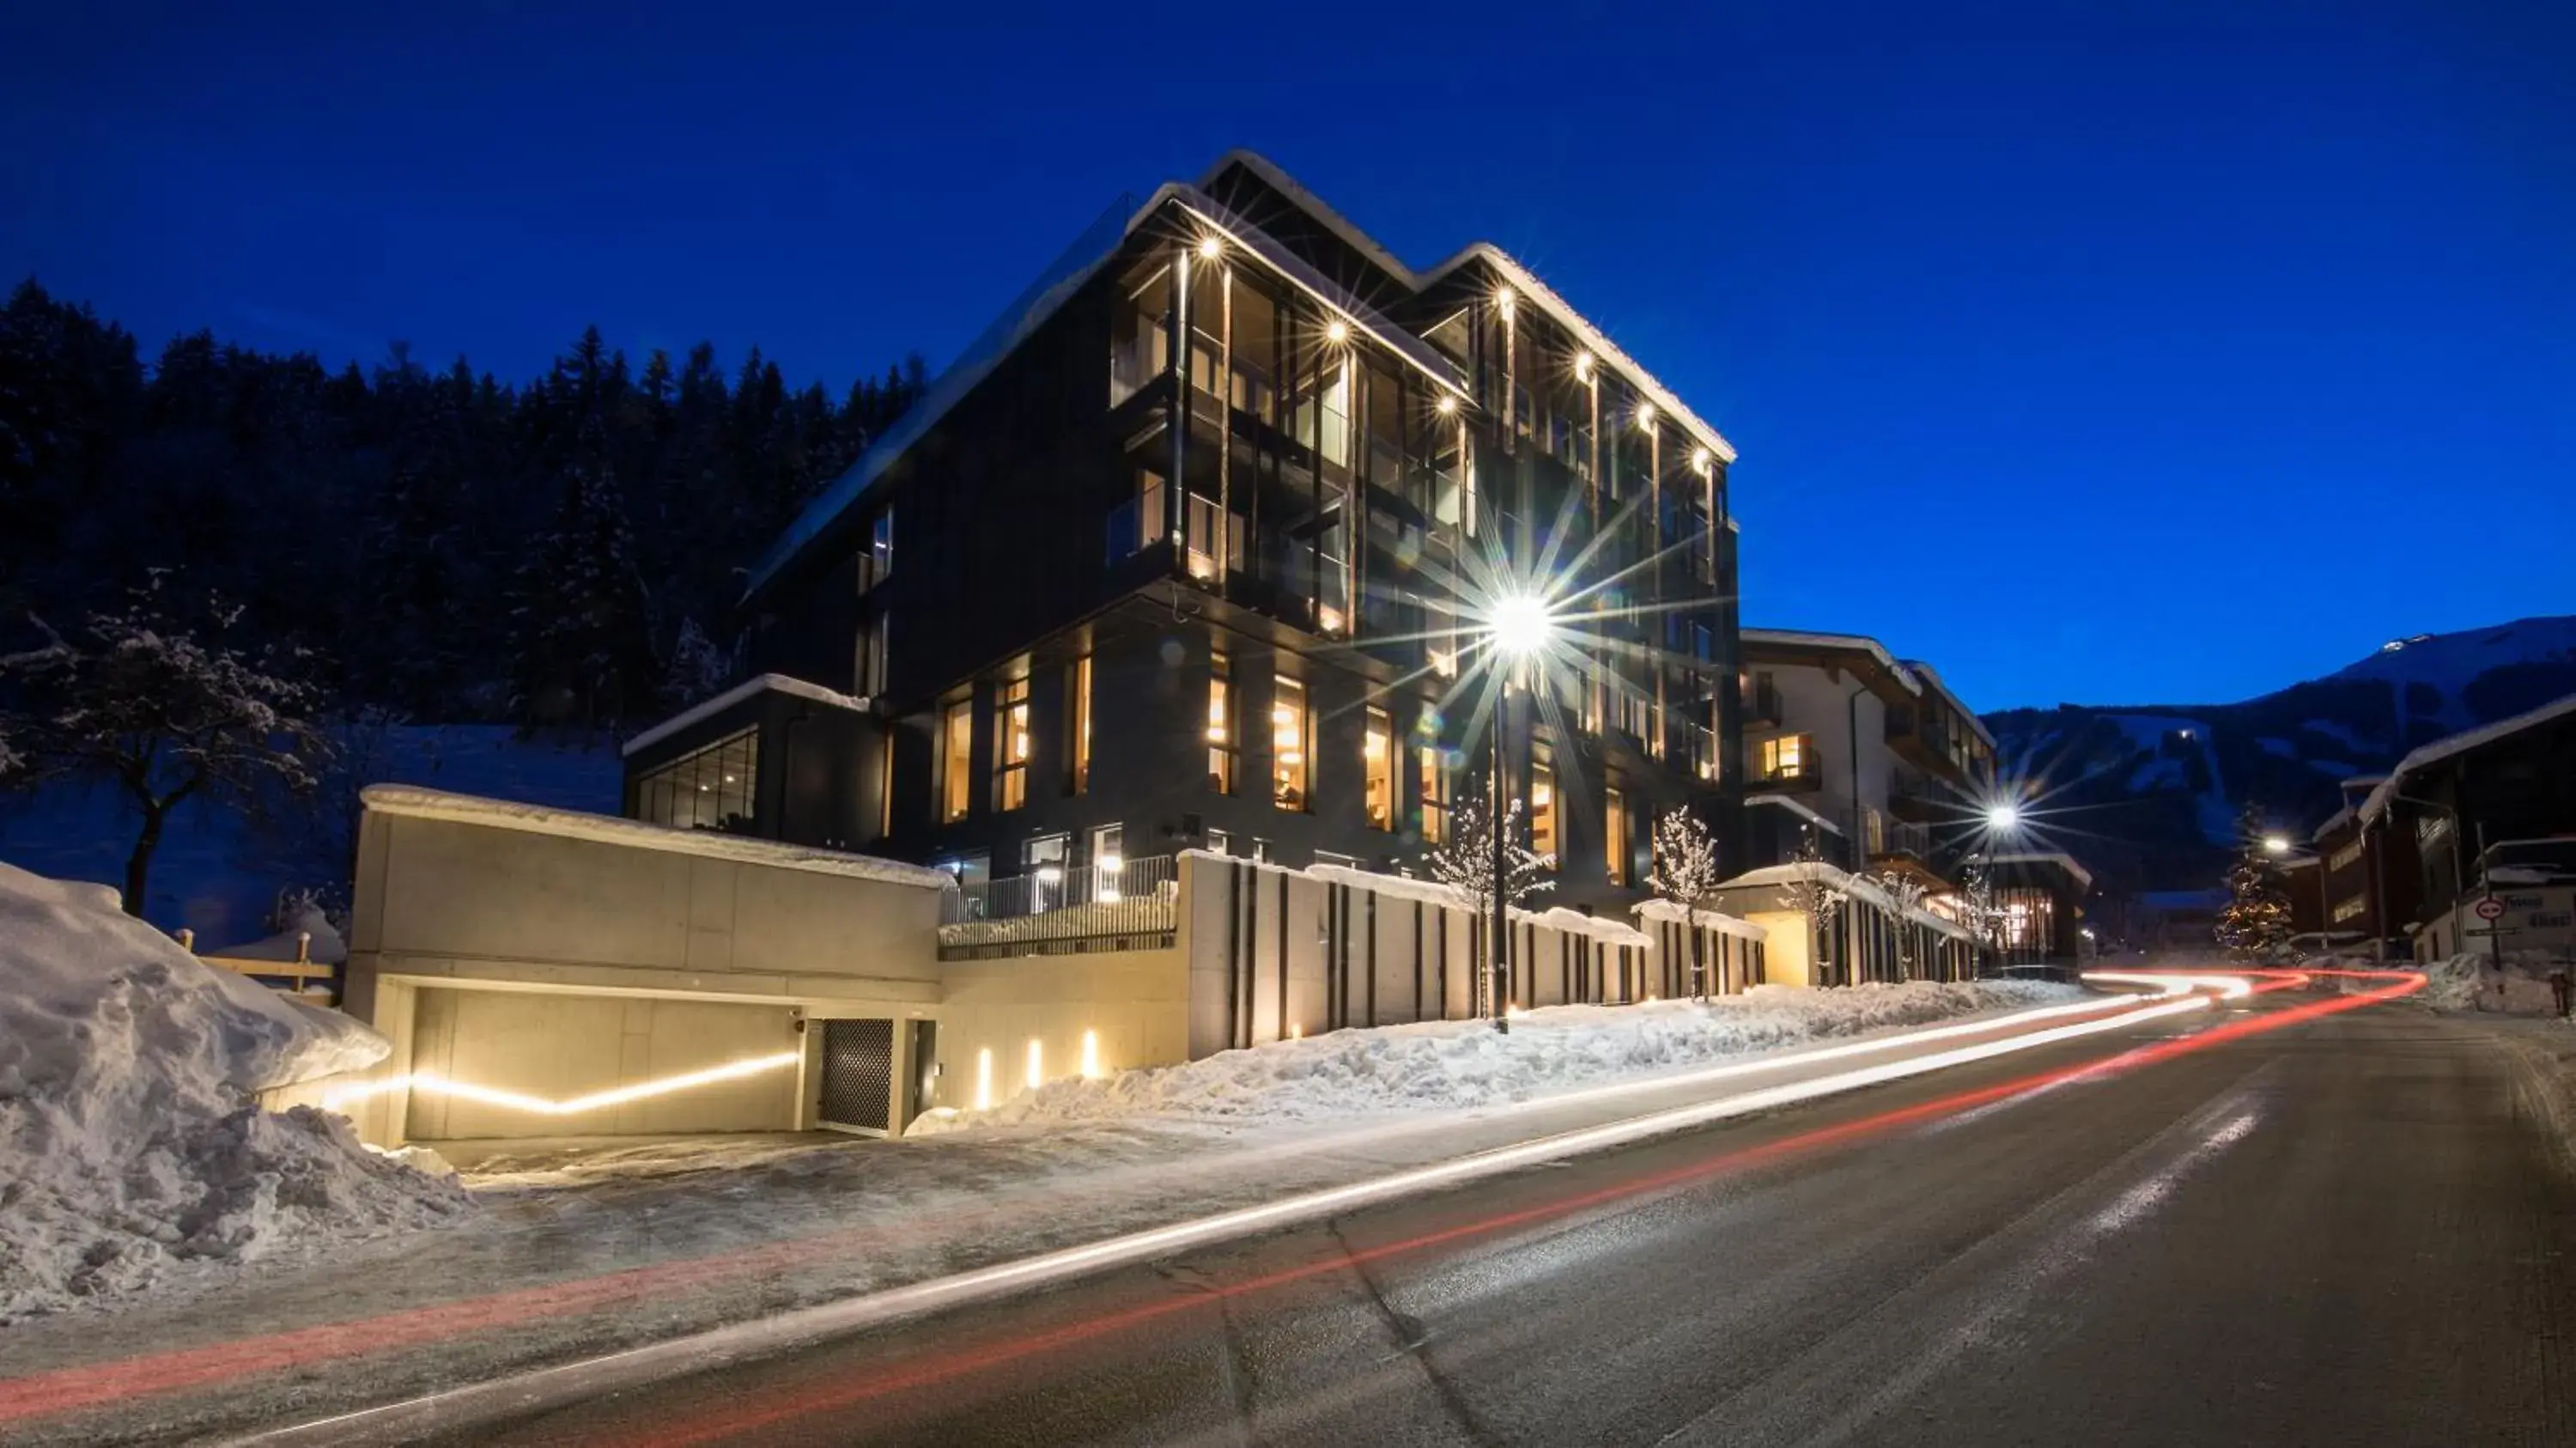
{"x": 1789, "y": 958}
{"x": 559, "y": 1047}
{"x": 1133, "y": 1005}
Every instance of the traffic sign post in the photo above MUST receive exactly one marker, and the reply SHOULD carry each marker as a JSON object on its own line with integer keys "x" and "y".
{"x": 2490, "y": 908}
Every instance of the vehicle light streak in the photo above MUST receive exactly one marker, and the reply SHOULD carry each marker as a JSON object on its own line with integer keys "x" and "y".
{"x": 67, "y": 1390}
{"x": 2229, "y": 987}
{"x": 842, "y": 1394}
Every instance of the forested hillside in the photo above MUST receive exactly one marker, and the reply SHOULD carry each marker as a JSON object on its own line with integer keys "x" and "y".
{"x": 558, "y": 550}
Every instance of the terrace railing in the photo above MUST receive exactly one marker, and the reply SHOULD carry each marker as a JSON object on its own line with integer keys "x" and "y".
{"x": 1126, "y": 905}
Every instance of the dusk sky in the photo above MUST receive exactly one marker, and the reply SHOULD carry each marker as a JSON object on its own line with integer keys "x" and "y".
{"x": 2166, "y": 355}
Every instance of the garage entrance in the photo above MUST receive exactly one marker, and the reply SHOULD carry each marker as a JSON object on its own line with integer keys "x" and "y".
{"x": 858, "y": 1076}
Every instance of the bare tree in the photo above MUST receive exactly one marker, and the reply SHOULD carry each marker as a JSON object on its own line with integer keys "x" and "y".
{"x": 167, "y": 710}
{"x": 1985, "y": 920}
{"x": 1464, "y": 862}
{"x": 1905, "y": 893}
{"x": 1684, "y": 872}
{"x": 1813, "y": 896}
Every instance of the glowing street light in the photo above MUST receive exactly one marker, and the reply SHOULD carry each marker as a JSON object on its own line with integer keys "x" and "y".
{"x": 1521, "y": 625}
{"x": 2003, "y": 818}
{"x": 2276, "y": 844}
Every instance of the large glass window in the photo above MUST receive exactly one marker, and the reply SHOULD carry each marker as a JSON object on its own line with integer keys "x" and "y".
{"x": 1377, "y": 757}
{"x": 956, "y": 759}
{"x": 1542, "y": 805}
{"x": 1289, "y": 727}
{"x": 1435, "y": 795}
{"x": 1011, "y": 744}
{"x": 1614, "y": 834}
{"x": 706, "y": 789}
{"x": 1077, "y": 725}
{"x": 1220, "y": 725}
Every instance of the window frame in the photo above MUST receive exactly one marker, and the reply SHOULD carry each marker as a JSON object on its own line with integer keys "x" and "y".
{"x": 1224, "y": 738}
{"x": 1292, "y": 746}
{"x": 956, "y": 760}
{"x": 1377, "y": 769}
{"x": 1012, "y": 745}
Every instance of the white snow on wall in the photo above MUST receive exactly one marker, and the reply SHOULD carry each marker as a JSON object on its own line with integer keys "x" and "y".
{"x": 765, "y": 683}
{"x": 130, "y": 1148}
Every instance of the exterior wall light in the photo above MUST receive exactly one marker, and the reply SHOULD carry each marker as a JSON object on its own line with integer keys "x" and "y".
{"x": 1337, "y": 332}
{"x": 1208, "y": 248}
{"x": 1448, "y": 406}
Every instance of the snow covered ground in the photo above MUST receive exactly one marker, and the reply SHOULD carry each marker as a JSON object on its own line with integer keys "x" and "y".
{"x": 131, "y": 1153}
{"x": 614, "y": 1248}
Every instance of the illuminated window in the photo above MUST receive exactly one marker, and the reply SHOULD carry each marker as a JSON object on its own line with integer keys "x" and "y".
{"x": 1149, "y": 508}
{"x": 2346, "y": 857}
{"x": 878, "y": 561}
{"x": 1614, "y": 833}
{"x": 1377, "y": 756}
{"x": 956, "y": 759}
{"x": 1542, "y": 806}
{"x": 1289, "y": 728}
{"x": 1435, "y": 795}
{"x": 1874, "y": 830}
{"x": 1011, "y": 744}
{"x": 1077, "y": 725}
{"x": 1787, "y": 757}
{"x": 706, "y": 789}
{"x": 1220, "y": 725}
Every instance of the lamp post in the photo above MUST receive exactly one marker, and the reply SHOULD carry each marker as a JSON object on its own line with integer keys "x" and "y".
{"x": 1520, "y": 625}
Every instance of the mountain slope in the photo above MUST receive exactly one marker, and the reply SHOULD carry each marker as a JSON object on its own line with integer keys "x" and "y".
{"x": 2148, "y": 795}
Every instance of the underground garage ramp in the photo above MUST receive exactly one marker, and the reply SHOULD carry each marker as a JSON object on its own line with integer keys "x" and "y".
{"x": 529, "y": 1048}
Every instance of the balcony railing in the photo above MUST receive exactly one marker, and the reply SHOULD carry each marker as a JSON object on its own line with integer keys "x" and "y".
{"x": 1130, "y": 905}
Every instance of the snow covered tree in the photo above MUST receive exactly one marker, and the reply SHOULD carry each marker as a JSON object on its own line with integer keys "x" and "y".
{"x": 1985, "y": 921}
{"x": 1464, "y": 862}
{"x": 167, "y": 710}
{"x": 1684, "y": 872}
{"x": 1817, "y": 898}
{"x": 699, "y": 667}
{"x": 1907, "y": 892}
{"x": 2254, "y": 925}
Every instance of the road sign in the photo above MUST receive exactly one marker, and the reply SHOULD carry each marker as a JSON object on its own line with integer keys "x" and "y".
{"x": 2493, "y": 930}
{"x": 2490, "y": 908}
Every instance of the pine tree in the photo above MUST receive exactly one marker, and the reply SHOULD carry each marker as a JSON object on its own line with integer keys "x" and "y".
{"x": 583, "y": 631}
{"x": 1684, "y": 872}
{"x": 2254, "y": 925}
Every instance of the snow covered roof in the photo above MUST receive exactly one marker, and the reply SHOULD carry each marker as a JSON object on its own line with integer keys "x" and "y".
{"x": 1718, "y": 921}
{"x": 1782, "y": 801}
{"x": 2456, "y": 744}
{"x": 2059, "y": 858}
{"x": 434, "y": 804}
{"x": 2333, "y": 822}
{"x": 1848, "y": 643}
{"x": 772, "y": 683}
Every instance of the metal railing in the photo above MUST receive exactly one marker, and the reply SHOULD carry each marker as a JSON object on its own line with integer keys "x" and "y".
{"x": 1131, "y": 904}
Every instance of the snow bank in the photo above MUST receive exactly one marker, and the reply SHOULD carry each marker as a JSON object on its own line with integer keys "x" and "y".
{"x": 1444, "y": 1065}
{"x": 130, "y": 1147}
{"x": 2472, "y": 982}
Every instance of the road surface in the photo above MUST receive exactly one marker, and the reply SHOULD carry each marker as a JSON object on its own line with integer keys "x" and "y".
{"x": 2347, "y": 1231}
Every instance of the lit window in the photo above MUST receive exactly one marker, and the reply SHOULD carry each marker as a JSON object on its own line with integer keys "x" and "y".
{"x": 1289, "y": 727}
{"x": 1786, "y": 757}
{"x": 957, "y": 753}
{"x": 1077, "y": 725}
{"x": 1542, "y": 807}
{"x": 1011, "y": 744}
{"x": 1149, "y": 509}
{"x": 1435, "y": 795}
{"x": 1377, "y": 758}
{"x": 705, "y": 789}
{"x": 1220, "y": 725}
{"x": 1614, "y": 834}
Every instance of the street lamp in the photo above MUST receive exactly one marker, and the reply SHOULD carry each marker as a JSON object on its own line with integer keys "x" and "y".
{"x": 2276, "y": 844}
{"x": 2003, "y": 818}
{"x": 1521, "y": 625}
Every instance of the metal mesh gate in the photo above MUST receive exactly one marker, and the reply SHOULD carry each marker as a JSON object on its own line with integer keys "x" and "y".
{"x": 858, "y": 1073}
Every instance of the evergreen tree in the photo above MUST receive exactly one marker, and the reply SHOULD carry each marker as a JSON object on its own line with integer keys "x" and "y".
{"x": 2254, "y": 925}
{"x": 583, "y": 625}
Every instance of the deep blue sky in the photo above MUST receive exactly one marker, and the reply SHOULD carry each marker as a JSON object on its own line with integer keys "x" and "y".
{"x": 2159, "y": 355}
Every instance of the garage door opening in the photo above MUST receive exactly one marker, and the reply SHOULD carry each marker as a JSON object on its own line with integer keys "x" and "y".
{"x": 858, "y": 1076}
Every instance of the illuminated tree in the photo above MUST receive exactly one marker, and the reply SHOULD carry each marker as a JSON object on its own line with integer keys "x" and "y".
{"x": 1464, "y": 862}
{"x": 1685, "y": 871}
{"x": 1819, "y": 899}
{"x": 2254, "y": 925}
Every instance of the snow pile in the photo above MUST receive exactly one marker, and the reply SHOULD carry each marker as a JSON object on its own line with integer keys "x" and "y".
{"x": 1443, "y": 1065}
{"x": 2472, "y": 982}
{"x": 129, "y": 1143}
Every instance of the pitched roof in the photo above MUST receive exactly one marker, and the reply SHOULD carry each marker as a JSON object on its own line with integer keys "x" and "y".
{"x": 2452, "y": 745}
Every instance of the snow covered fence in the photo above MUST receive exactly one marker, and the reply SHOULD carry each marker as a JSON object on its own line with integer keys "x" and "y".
{"x": 1442, "y": 1065}
{"x": 131, "y": 1151}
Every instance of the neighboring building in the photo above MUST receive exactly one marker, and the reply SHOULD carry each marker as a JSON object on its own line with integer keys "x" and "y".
{"x": 1871, "y": 756}
{"x": 1170, "y": 558}
{"x": 2041, "y": 897}
{"x": 2370, "y": 885}
{"x": 2487, "y": 812}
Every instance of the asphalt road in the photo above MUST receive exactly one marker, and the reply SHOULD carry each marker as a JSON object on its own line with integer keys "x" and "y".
{"x": 2348, "y": 1231}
